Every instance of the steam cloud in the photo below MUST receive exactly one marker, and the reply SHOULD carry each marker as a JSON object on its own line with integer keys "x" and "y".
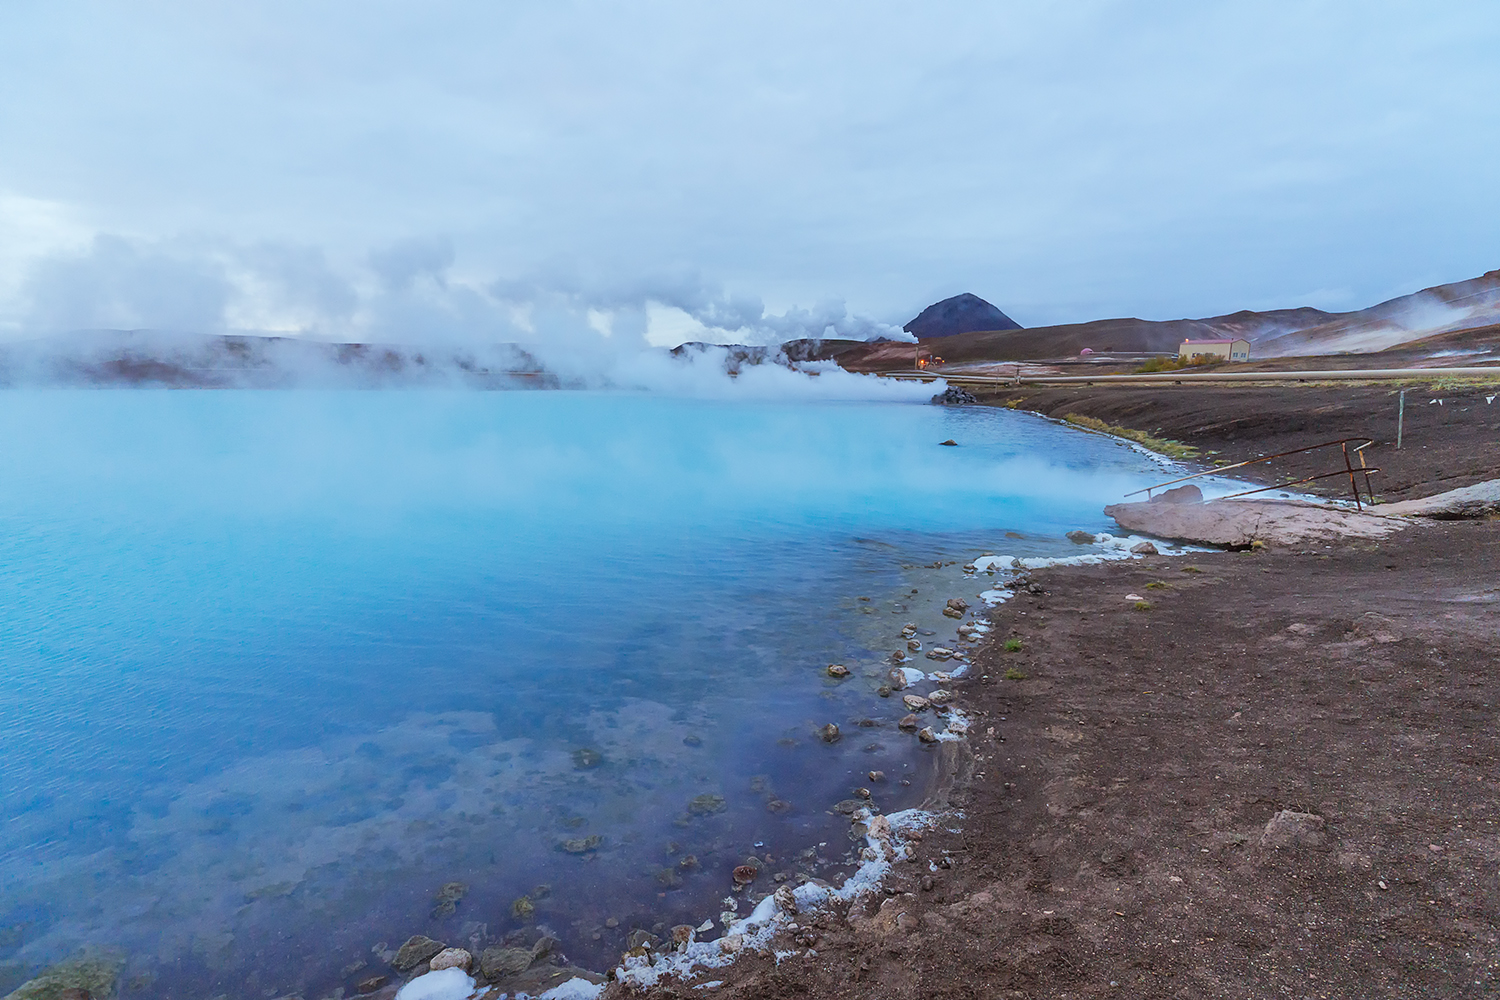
{"x": 411, "y": 292}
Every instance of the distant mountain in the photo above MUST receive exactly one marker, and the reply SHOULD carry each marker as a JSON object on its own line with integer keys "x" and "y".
{"x": 961, "y": 314}
{"x": 1432, "y": 312}
{"x": 203, "y": 361}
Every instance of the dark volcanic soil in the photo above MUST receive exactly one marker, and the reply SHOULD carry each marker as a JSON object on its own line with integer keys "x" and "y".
{"x": 1114, "y": 838}
{"x": 1444, "y": 445}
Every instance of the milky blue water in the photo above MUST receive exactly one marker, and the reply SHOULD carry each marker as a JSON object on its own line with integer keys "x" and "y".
{"x": 275, "y": 667}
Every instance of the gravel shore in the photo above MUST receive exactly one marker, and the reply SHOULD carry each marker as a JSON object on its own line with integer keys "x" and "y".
{"x": 1251, "y": 774}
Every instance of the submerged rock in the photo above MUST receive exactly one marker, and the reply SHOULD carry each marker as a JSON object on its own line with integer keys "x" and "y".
{"x": 707, "y": 804}
{"x": 445, "y": 902}
{"x": 744, "y": 874}
{"x": 585, "y": 758}
{"x": 838, "y": 670}
{"x": 523, "y": 909}
{"x": 830, "y": 733}
{"x": 417, "y": 949}
{"x": 908, "y": 723}
{"x": 1081, "y": 537}
{"x": 498, "y": 962}
{"x": 582, "y": 845}
{"x": 89, "y": 975}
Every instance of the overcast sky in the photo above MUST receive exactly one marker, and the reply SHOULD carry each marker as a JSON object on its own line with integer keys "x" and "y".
{"x": 472, "y": 167}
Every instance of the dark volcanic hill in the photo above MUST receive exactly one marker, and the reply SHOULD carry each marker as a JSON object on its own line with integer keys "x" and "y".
{"x": 961, "y": 314}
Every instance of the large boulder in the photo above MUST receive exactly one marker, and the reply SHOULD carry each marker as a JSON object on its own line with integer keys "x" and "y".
{"x": 1239, "y": 524}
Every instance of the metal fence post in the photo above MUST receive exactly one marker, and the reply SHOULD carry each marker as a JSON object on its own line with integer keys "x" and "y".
{"x": 1400, "y": 418}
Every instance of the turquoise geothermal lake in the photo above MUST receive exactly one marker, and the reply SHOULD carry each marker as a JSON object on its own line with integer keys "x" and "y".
{"x": 278, "y": 666}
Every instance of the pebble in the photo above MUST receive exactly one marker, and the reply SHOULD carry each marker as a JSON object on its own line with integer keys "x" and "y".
{"x": 838, "y": 670}
{"x": 830, "y": 733}
{"x": 927, "y": 735}
{"x": 914, "y": 702}
{"x": 940, "y": 697}
{"x": 451, "y": 958}
{"x": 877, "y": 775}
{"x": 908, "y": 723}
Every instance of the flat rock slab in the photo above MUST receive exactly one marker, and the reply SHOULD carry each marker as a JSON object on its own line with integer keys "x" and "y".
{"x": 1479, "y": 500}
{"x": 1240, "y": 523}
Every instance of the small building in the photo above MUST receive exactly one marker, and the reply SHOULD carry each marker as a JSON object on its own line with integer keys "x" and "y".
{"x": 1227, "y": 349}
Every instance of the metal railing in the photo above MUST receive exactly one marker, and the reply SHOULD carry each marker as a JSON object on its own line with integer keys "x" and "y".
{"x": 1348, "y": 470}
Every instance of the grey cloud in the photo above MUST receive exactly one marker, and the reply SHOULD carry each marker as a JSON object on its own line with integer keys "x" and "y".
{"x": 120, "y": 284}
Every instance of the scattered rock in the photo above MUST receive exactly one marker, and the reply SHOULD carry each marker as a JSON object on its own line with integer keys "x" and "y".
{"x": 372, "y": 984}
{"x": 642, "y": 938}
{"x": 830, "y": 733}
{"x": 745, "y": 874}
{"x": 1081, "y": 537}
{"x": 908, "y": 723}
{"x": 927, "y": 735}
{"x": 417, "y": 949}
{"x": 730, "y": 944}
{"x": 683, "y": 935}
{"x": 1371, "y": 625}
{"x": 1181, "y": 494}
{"x": 940, "y": 697}
{"x": 954, "y": 396}
{"x": 1143, "y": 549}
{"x": 838, "y": 670}
{"x": 778, "y": 806}
{"x": 452, "y": 958}
{"x": 581, "y": 845}
{"x": 908, "y": 630}
{"x": 898, "y": 678}
{"x": 958, "y": 604}
{"x": 940, "y": 653}
{"x": 914, "y": 702}
{"x": 958, "y": 727}
{"x": 913, "y": 645}
{"x": 1294, "y": 829}
{"x": 877, "y": 775}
